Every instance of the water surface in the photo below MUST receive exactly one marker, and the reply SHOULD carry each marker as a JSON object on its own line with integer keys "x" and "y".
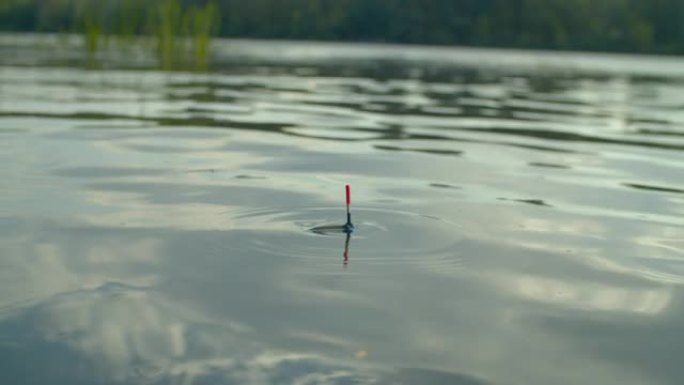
{"x": 519, "y": 217}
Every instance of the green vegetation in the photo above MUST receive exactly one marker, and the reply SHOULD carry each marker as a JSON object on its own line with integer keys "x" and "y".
{"x": 203, "y": 22}
{"x": 183, "y": 28}
{"x": 182, "y": 31}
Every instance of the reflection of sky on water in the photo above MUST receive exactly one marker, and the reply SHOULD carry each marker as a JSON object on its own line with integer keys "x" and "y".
{"x": 134, "y": 325}
{"x": 151, "y": 304}
{"x": 120, "y": 334}
{"x": 513, "y": 228}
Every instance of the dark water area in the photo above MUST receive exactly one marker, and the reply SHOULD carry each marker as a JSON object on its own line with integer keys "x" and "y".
{"x": 518, "y": 217}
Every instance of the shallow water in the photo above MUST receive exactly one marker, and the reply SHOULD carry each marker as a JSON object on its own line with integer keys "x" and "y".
{"x": 519, "y": 217}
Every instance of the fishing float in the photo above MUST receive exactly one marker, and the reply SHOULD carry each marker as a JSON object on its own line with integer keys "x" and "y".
{"x": 348, "y": 227}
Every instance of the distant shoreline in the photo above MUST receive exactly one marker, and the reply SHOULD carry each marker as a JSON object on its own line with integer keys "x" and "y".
{"x": 625, "y": 26}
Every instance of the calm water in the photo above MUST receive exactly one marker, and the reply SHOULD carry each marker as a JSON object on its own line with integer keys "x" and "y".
{"x": 519, "y": 217}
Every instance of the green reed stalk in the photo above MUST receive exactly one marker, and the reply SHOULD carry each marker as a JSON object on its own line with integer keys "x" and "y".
{"x": 203, "y": 23}
{"x": 167, "y": 32}
{"x": 92, "y": 30}
{"x": 182, "y": 35}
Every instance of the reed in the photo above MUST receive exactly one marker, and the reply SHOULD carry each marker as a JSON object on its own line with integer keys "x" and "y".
{"x": 92, "y": 32}
{"x": 167, "y": 28}
{"x": 203, "y": 24}
{"x": 182, "y": 34}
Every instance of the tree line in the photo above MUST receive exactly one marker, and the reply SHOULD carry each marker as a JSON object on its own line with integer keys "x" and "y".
{"x": 644, "y": 26}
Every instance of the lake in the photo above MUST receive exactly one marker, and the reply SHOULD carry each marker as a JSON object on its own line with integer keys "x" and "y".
{"x": 519, "y": 216}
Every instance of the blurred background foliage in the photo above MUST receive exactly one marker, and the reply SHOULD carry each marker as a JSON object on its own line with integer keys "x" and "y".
{"x": 644, "y": 26}
{"x": 181, "y": 31}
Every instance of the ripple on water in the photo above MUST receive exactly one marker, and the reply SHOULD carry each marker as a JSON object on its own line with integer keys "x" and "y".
{"x": 380, "y": 236}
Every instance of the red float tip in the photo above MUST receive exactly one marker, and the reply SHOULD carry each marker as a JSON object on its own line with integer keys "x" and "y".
{"x": 348, "y": 190}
